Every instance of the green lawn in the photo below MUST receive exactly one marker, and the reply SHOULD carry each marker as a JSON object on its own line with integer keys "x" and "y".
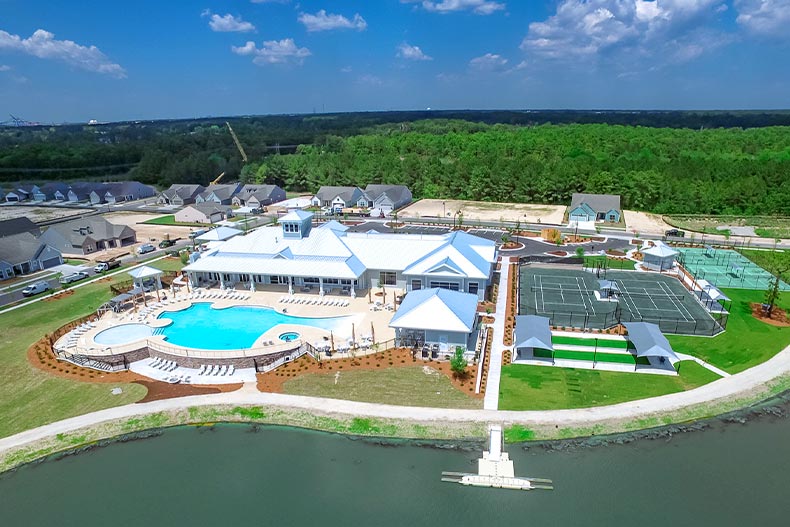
{"x": 747, "y": 341}
{"x": 544, "y": 388}
{"x": 408, "y": 386}
{"x": 590, "y": 342}
{"x": 620, "y": 358}
{"x": 168, "y": 264}
{"x": 609, "y": 263}
{"x": 29, "y": 397}
{"x": 170, "y": 219}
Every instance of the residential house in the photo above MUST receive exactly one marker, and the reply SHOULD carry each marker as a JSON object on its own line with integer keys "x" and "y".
{"x": 335, "y": 199}
{"x": 121, "y": 192}
{"x": 24, "y": 253}
{"x": 180, "y": 195}
{"x": 18, "y": 226}
{"x": 80, "y": 192}
{"x": 258, "y": 196}
{"x": 383, "y": 199}
{"x": 206, "y": 212}
{"x": 21, "y": 193}
{"x": 219, "y": 194}
{"x": 53, "y": 191}
{"x": 88, "y": 235}
{"x": 595, "y": 207}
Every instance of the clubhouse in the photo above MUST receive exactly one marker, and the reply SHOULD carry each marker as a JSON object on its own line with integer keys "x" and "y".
{"x": 330, "y": 260}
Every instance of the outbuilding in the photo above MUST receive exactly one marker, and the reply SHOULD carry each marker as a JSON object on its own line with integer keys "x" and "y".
{"x": 658, "y": 256}
{"x": 532, "y": 333}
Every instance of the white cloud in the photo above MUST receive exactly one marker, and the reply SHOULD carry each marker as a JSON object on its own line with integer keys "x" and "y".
{"x": 346, "y": 69}
{"x": 409, "y": 52}
{"x": 764, "y": 17}
{"x": 4, "y": 67}
{"x": 667, "y": 29}
{"x": 370, "y": 80}
{"x": 42, "y": 44}
{"x": 228, "y": 24}
{"x": 323, "y": 21}
{"x": 283, "y": 51}
{"x": 488, "y": 62}
{"x": 479, "y": 7}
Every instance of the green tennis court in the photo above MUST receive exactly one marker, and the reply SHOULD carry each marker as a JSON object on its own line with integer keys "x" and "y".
{"x": 725, "y": 268}
{"x": 572, "y": 298}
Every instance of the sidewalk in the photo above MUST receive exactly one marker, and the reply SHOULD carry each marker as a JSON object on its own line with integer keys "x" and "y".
{"x": 491, "y": 400}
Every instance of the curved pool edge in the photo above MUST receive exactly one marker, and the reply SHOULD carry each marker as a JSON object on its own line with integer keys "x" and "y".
{"x": 60, "y": 436}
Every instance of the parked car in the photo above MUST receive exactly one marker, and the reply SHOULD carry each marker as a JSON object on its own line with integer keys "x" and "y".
{"x": 675, "y": 232}
{"x": 34, "y": 289}
{"x": 195, "y": 234}
{"x": 80, "y": 275}
{"x": 145, "y": 248}
{"x": 106, "y": 265}
{"x": 164, "y": 244}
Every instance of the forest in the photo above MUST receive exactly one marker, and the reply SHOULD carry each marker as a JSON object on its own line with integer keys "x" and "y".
{"x": 666, "y": 162}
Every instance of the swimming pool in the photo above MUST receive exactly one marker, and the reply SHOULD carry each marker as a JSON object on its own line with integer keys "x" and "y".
{"x": 202, "y": 327}
{"x": 123, "y": 334}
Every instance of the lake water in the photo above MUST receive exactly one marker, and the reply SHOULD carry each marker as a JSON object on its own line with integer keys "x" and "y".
{"x": 733, "y": 475}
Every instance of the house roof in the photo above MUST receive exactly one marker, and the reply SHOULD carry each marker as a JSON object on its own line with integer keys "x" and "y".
{"x": 17, "y": 226}
{"x": 183, "y": 191}
{"x": 334, "y": 225}
{"x": 396, "y": 193}
{"x": 126, "y": 188}
{"x": 221, "y": 192}
{"x": 597, "y": 202}
{"x": 437, "y": 309}
{"x": 94, "y": 227}
{"x": 49, "y": 189}
{"x": 19, "y": 248}
{"x": 209, "y": 207}
{"x": 533, "y": 331}
{"x": 259, "y": 191}
{"x": 219, "y": 234}
{"x": 649, "y": 341}
{"x": 328, "y": 193}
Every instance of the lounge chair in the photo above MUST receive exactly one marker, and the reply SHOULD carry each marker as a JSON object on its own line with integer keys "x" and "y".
{"x": 231, "y": 369}
{"x": 202, "y": 369}
{"x": 216, "y": 370}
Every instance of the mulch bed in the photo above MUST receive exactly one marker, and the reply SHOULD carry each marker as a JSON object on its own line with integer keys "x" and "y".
{"x": 511, "y": 246}
{"x": 273, "y": 381}
{"x": 558, "y": 253}
{"x": 778, "y": 316}
{"x": 59, "y": 295}
{"x": 161, "y": 390}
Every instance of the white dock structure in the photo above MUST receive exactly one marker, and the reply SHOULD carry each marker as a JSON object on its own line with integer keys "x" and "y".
{"x": 495, "y": 469}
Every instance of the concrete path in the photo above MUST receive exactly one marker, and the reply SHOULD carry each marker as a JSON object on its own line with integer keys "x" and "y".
{"x": 726, "y": 388}
{"x": 706, "y": 365}
{"x": 491, "y": 400}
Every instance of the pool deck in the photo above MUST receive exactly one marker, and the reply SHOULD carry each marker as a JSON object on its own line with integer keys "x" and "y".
{"x": 364, "y": 316}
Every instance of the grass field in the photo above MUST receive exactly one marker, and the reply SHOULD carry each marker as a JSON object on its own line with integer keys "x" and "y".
{"x": 747, "y": 341}
{"x": 29, "y": 397}
{"x": 589, "y": 342}
{"x": 608, "y": 262}
{"x": 544, "y": 388}
{"x": 770, "y": 260}
{"x": 619, "y": 358}
{"x": 168, "y": 264}
{"x": 170, "y": 219}
{"x": 764, "y": 226}
{"x": 408, "y": 386}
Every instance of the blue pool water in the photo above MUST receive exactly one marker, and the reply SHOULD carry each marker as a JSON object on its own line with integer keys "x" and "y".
{"x": 288, "y": 337}
{"x": 123, "y": 334}
{"x": 203, "y": 327}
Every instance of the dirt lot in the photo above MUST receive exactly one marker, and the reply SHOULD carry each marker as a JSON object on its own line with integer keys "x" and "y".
{"x": 644, "y": 222}
{"x": 486, "y": 211}
{"x": 37, "y": 214}
{"x": 146, "y": 232}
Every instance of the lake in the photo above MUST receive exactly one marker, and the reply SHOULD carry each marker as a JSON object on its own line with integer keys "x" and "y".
{"x": 242, "y": 475}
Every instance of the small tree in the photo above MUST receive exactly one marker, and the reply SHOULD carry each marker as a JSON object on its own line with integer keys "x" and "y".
{"x": 458, "y": 363}
{"x": 184, "y": 256}
{"x": 580, "y": 252}
{"x": 772, "y": 296}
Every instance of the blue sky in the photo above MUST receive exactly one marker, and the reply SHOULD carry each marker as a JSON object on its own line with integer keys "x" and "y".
{"x": 114, "y": 60}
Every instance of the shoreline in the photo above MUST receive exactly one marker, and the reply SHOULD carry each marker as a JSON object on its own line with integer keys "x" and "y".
{"x": 349, "y": 418}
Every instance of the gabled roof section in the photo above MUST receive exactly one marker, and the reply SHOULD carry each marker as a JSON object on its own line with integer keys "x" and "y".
{"x": 533, "y": 332}
{"x": 396, "y": 193}
{"x": 437, "y": 309}
{"x": 649, "y": 341}
{"x": 464, "y": 250}
{"x": 219, "y": 234}
{"x": 597, "y": 202}
{"x": 297, "y": 215}
{"x": 446, "y": 266}
{"x": 328, "y": 193}
{"x": 334, "y": 225}
{"x": 18, "y": 226}
{"x": 19, "y": 248}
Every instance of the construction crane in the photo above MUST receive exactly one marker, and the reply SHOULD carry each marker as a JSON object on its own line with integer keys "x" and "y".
{"x": 238, "y": 144}
{"x": 16, "y": 121}
{"x": 217, "y": 179}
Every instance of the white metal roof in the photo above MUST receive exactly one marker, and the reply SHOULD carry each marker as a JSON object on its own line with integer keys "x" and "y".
{"x": 144, "y": 271}
{"x": 437, "y": 309}
{"x": 219, "y": 234}
{"x": 660, "y": 249}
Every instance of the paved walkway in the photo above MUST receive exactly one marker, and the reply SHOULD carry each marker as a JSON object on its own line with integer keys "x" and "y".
{"x": 491, "y": 400}
{"x": 706, "y": 365}
{"x": 726, "y": 388}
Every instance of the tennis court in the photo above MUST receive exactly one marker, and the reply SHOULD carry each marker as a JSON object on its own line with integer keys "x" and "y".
{"x": 568, "y": 297}
{"x": 725, "y": 268}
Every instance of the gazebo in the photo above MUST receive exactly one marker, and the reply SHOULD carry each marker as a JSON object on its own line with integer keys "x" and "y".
{"x": 652, "y": 344}
{"x": 532, "y": 332}
{"x": 144, "y": 275}
{"x": 659, "y": 257}
{"x": 607, "y": 288}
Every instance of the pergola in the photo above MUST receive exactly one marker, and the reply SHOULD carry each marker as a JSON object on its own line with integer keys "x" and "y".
{"x": 651, "y": 343}
{"x": 608, "y": 288}
{"x": 532, "y": 332}
{"x": 144, "y": 273}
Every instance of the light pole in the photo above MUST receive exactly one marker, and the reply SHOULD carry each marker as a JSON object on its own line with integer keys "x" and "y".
{"x": 444, "y": 210}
